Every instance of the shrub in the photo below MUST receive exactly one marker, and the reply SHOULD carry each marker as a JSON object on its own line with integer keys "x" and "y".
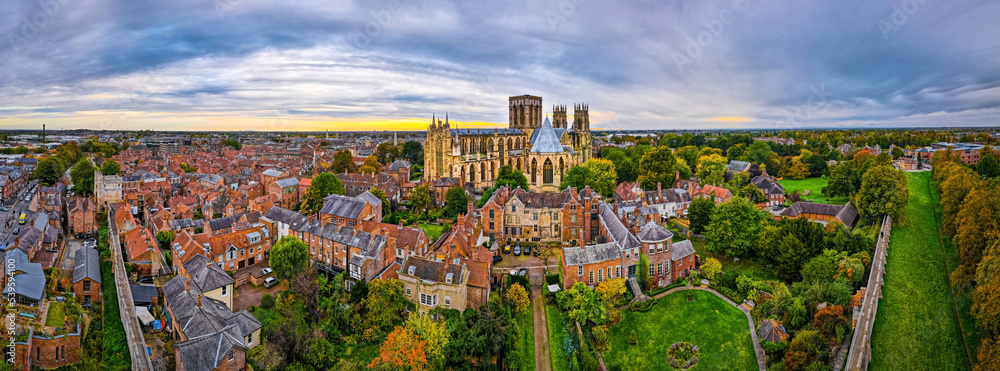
{"x": 642, "y": 306}
{"x": 523, "y": 280}
{"x": 601, "y": 338}
{"x": 552, "y": 279}
{"x": 631, "y": 338}
{"x": 587, "y": 362}
{"x": 267, "y": 301}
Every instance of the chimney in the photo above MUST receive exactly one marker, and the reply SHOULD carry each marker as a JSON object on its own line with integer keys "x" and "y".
{"x": 677, "y": 175}
{"x": 187, "y": 285}
{"x": 471, "y": 208}
{"x": 199, "y": 300}
{"x": 659, "y": 189}
{"x": 401, "y": 223}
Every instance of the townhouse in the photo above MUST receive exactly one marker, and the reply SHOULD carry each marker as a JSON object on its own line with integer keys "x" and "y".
{"x": 87, "y": 277}
{"x": 774, "y": 193}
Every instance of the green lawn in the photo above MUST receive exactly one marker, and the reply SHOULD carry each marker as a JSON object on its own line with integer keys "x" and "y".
{"x": 720, "y": 331}
{"x": 815, "y": 187}
{"x": 57, "y": 314}
{"x": 917, "y": 327}
{"x": 558, "y": 342}
{"x": 432, "y": 231}
{"x": 526, "y": 322}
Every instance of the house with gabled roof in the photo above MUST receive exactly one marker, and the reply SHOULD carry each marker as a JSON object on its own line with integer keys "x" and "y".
{"x": 87, "y": 276}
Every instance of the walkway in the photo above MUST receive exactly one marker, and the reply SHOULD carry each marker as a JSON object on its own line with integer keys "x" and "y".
{"x": 761, "y": 358}
{"x": 860, "y": 353}
{"x": 136, "y": 342}
{"x": 542, "y": 362}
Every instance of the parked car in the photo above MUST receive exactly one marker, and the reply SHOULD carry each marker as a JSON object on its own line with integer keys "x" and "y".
{"x": 517, "y": 250}
{"x": 265, "y": 271}
{"x": 4, "y": 208}
{"x": 147, "y": 279}
{"x": 535, "y": 251}
{"x": 776, "y": 208}
{"x": 17, "y": 230}
{"x": 270, "y": 282}
{"x": 497, "y": 259}
{"x": 506, "y": 249}
{"x": 523, "y": 272}
{"x": 527, "y": 250}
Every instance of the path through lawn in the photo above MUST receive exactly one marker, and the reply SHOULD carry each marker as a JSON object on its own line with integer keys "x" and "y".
{"x": 716, "y": 327}
{"x": 917, "y": 327}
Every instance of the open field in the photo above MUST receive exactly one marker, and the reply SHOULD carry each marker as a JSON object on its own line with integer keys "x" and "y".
{"x": 917, "y": 326}
{"x": 432, "y": 231}
{"x": 720, "y": 331}
{"x": 815, "y": 187}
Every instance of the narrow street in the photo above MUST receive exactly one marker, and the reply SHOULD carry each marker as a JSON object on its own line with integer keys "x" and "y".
{"x": 542, "y": 361}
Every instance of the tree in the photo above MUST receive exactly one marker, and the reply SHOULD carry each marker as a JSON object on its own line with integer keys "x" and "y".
{"x": 843, "y": 180}
{"x": 690, "y": 155}
{"x": 322, "y": 185}
{"x": 599, "y": 174}
{"x": 612, "y": 290}
{"x": 751, "y": 193}
{"x": 735, "y": 228}
{"x": 165, "y": 238}
{"x": 518, "y": 297}
{"x": 370, "y": 166}
{"x": 897, "y": 152}
{"x": 816, "y": 164}
{"x": 232, "y": 143}
{"x": 736, "y": 152}
{"x": 110, "y": 167}
{"x": 343, "y": 162}
{"x": 386, "y": 153}
{"x": 830, "y": 322}
{"x": 759, "y": 152}
{"x": 989, "y": 165}
{"x": 48, "y": 171}
{"x": 435, "y": 333}
{"x": 401, "y": 350}
{"x": 455, "y": 201}
{"x": 384, "y": 304}
{"x": 795, "y": 170}
{"x": 657, "y": 166}
{"x": 711, "y": 267}
{"x": 712, "y": 169}
{"x": 420, "y": 197}
{"x": 289, "y": 257}
{"x": 978, "y": 227}
{"x": 791, "y": 243}
{"x": 700, "y": 214}
{"x": 581, "y": 304}
{"x": 510, "y": 177}
{"x": 883, "y": 192}
{"x": 413, "y": 151}
{"x": 823, "y": 267}
{"x": 386, "y": 206}
{"x": 82, "y": 176}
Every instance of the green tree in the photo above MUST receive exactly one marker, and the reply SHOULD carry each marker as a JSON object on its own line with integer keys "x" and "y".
{"x": 581, "y": 303}
{"x": 657, "y": 166}
{"x": 435, "y": 333}
{"x": 165, "y": 238}
{"x": 343, "y": 162}
{"x": 736, "y": 152}
{"x": 711, "y": 268}
{"x": 843, "y": 180}
{"x": 232, "y": 143}
{"x": 510, "y": 177}
{"x": 690, "y": 155}
{"x": 384, "y": 304}
{"x": 988, "y": 165}
{"x": 110, "y": 167}
{"x": 883, "y": 192}
{"x": 289, "y": 257}
{"x": 414, "y": 152}
{"x": 82, "y": 176}
{"x": 712, "y": 169}
{"x": 322, "y": 185}
{"x": 643, "y": 274}
{"x": 759, "y": 152}
{"x": 599, "y": 174}
{"x": 751, "y": 193}
{"x": 735, "y": 228}
{"x": 456, "y": 201}
{"x": 371, "y": 165}
{"x": 386, "y": 206}
{"x": 700, "y": 214}
{"x": 48, "y": 171}
{"x": 420, "y": 197}
{"x": 897, "y": 152}
{"x": 386, "y": 153}
{"x": 796, "y": 169}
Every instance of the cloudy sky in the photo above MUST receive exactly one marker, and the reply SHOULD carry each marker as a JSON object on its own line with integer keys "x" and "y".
{"x": 391, "y": 64}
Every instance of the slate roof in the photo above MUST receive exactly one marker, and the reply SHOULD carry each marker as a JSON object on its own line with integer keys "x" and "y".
{"x": 370, "y": 198}
{"x": 601, "y": 252}
{"x": 87, "y": 265}
{"x": 142, "y": 294}
{"x": 398, "y": 164}
{"x": 342, "y": 206}
{"x": 848, "y": 214}
{"x": 654, "y": 232}
{"x": 184, "y": 223}
{"x": 206, "y": 275}
{"x": 811, "y": 208}
{"x": 768, "y": 184}
{"x": 682, "y": 249}
{"x": 206, "y": 352}
{"x": 619, "y": 233}
{"x": 772, "y": 330}
{"x": 227, "y": 222}
{"x": 546, "y": 141}
{"x": 667, "y": 195}
{"x": 287, "y": 182}
{"x": 432, "y": 270}
{"x": 31, "y": 280}
{"x": 272, "y": 172}
{"x": 738, "y": 166}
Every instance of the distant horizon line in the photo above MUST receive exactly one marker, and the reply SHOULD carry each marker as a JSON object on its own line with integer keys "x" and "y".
{"x": 592, "y": 129}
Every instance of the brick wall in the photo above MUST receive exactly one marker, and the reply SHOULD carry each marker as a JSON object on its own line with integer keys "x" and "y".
{"x": 95, "y": 291}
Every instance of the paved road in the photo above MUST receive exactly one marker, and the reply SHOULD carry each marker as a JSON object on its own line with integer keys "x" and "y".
{"x": 69, "y": 254}
{"x": 136, "y": 343}
{"x": 542, "y": 362}
{"x": 9, "y": 219}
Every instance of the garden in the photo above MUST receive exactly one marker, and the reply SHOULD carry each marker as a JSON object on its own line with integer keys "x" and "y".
{"x": 718, "y": 329}
{"x": 815, "y": 187}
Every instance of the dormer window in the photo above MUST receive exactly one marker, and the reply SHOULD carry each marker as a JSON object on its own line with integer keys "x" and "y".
{"x": 449, "y": 278}
{"x": 411, "y": 270}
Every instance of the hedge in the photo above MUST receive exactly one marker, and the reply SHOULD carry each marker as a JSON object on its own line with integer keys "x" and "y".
{"x": 642, "y": 306}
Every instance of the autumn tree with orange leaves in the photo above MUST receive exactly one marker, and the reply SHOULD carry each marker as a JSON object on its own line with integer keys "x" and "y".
{"x": 401, "y": 350}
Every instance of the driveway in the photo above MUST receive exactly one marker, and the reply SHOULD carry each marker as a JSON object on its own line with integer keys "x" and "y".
{"x": 72, "y": 245}
{"x": 247, "y": 294}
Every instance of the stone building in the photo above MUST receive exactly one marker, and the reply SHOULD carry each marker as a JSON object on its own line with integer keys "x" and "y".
{"x": 542, "y": 150}
{"x": 107, "y": 189}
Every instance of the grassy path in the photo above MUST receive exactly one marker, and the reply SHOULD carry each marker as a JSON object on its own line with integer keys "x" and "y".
{"x": 917, "y": 326}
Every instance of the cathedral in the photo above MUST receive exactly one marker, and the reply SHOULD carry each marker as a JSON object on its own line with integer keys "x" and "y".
{"x": 542, "y": 148}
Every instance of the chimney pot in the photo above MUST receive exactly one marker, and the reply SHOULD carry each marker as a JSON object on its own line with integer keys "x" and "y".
{"x": 199, "y": 300}
{"x": 187, "y": 285}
